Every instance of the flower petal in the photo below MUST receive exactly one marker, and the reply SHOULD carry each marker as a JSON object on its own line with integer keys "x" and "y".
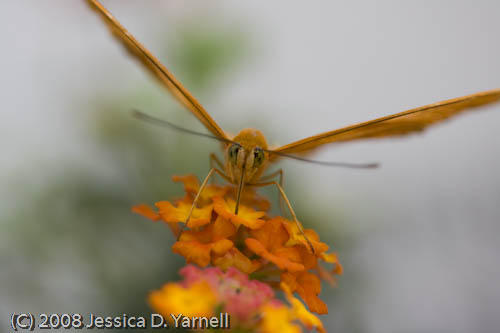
{"x": 170, "y": 213}
{"x": 192, "y": 186}
{"x": 221, "y": 228}
{"x": 272, "y": 235}
{"x": 304, "y": 316}
{"x": 308, "y": 286}
{"x": 296, "y": 237}
{"x": 199, "y": 299}
{"x": 234, "y": 258}
{"x": 146, "y": 211}
{"x": 247, "y": 216}
{"x": 191, "y": 183}
{"x": 222, "y": 246}
{"x": 333, "y": 259}
{"x": 249, "y": 197}
{"x": 277, "y": 318}
{"x": 193, "y": 251}
{"x": 283, "y": 263}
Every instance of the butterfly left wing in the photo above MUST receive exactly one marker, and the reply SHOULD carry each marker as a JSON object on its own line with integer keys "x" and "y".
{"x": 398, "y": 124}
{"x": 157, "y": 69}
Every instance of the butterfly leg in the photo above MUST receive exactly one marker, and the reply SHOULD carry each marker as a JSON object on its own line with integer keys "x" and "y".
{"x": 196, "y": 198}
{"x": 283, "y": 195}
{"x": 281, "y": 180}
{"x": 215, "y": 162}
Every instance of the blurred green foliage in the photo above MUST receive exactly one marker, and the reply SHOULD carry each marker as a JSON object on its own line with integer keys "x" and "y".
{"x": 202, "y": 56}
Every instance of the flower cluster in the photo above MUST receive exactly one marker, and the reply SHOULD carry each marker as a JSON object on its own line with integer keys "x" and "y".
{"x": 270, "y": 249}
{"x": 209, "y": 292}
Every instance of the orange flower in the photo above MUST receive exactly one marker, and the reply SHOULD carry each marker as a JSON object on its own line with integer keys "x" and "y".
{"x": 308, "y": 286}
{"x": 249, "y": 197}
{"x": 247, "y": 216}
{"x": 333, "y": 259}
{"x": 191, "y": 183}
{"x": 267, "y": 248}
{"x": 296, "y": 237}
{"x": 170, "y": 213}
{"x": 269, "y": 243}
{"x": 146, "y": 211}
{"x": 234, "y": 258}
{"x": 198, "y": 246}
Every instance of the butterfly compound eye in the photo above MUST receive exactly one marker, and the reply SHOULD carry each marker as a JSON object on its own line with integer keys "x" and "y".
{"x": 258, "y": 157}
{"x": 233, "y": 152}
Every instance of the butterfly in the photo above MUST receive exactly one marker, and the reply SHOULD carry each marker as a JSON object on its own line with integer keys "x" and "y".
{"x": 247, "y": 155}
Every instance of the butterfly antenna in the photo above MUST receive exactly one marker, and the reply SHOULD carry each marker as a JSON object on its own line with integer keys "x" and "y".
{"x": 163, "y": 123}
{"x": 332, "y": 164}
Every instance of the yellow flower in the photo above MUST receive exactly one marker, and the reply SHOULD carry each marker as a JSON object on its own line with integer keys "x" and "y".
{"x": 305, "y": 317}
{"x": 197, "y": 300}
{"x": 247, "y": 216}
{"x": 171, "y": 213}
{"x": 278, "y": 318}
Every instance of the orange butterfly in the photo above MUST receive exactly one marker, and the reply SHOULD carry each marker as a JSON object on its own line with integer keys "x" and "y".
{"x": 247, "y": 154}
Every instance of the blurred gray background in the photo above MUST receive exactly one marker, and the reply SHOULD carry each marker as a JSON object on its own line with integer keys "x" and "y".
{"x": 418, "y": 238}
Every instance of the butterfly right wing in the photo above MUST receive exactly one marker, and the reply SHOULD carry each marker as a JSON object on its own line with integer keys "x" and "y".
{"x": 399, "y": 124}
{"x": 157, "y": 69}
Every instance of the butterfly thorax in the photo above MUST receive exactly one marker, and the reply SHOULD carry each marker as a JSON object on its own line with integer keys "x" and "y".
{"x": 248, "y": 155}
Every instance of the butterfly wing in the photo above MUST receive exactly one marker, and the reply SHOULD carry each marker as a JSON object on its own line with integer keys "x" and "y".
{"x": 398, "y": 124}
{"x": 157, "y": 69}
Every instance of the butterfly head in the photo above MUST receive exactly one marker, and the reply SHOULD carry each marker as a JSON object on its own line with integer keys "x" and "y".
{"x": 247, "y": 156}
